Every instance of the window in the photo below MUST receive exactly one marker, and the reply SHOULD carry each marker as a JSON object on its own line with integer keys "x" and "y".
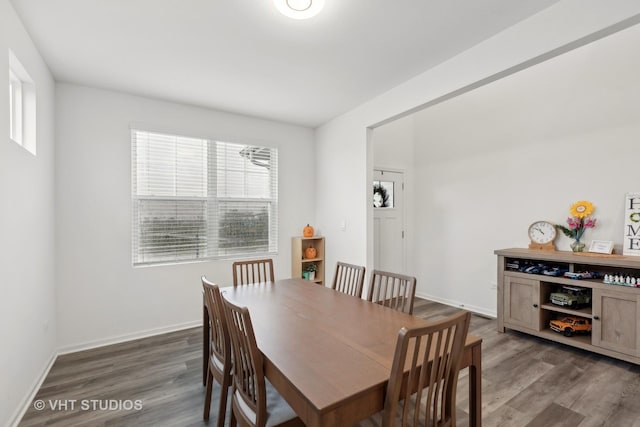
{"x": 22, "y": 105}
{"x": 201, "y": 199}
{"x": 15, "y": 108}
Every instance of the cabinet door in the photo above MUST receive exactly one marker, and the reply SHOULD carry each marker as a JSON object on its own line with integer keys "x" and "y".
{"x": 615, "y": 321}
{"x": 522, "y": 302}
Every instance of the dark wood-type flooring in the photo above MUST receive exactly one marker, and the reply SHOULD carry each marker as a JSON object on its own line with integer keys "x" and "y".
{"x": 526, "y": 381}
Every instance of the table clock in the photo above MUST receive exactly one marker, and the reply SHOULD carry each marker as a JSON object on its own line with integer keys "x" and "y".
{"x": 542, "y": 234}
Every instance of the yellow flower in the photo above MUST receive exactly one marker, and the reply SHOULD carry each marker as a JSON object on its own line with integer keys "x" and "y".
{"x": 582, "y": 209}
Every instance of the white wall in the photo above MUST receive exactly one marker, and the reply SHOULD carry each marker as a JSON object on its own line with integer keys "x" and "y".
{"x": 27, "y": 257}
{"x": 522, "y": 149}
{"x": 345, "y": 160}
{"x": 101, "y": 297}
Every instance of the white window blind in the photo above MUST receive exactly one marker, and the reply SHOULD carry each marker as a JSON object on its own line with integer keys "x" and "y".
{"x": 197, "y": 199}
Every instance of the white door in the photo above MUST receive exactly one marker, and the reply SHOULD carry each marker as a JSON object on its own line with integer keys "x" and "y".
{"x": 388, "y": 221}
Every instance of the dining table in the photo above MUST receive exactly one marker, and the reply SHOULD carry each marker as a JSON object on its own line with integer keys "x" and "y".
{"x": 330, "y": 354}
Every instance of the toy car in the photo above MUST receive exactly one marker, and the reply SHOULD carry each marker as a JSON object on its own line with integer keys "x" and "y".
{"x": 513, "y": 265}
{"x": 571, "y": 296}
{"x": 570, "y": 325}
{"x": 534, "y": 269}
{"x": 554, "y": 271}
{"x": 579, "y": 276}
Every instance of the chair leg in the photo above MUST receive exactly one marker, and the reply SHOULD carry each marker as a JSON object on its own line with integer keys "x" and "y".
{"x": 232, "y": 422}
{"x": 205, "y": 341}
{"x": 224, "y": 391}
{"x": 207, "y": 398}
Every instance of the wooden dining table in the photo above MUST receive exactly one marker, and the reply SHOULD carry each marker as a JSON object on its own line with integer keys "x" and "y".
{"x": 330, "y": 354}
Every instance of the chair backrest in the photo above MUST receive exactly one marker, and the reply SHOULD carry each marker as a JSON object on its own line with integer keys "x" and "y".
{"x": 392, "y": 290}
{"x": 426, "y": 362}
{"x": 249, "y": 390}
{"x": 348, "y": 279}
{"x": 252, "y": 271}
{"x": 220, "y": 345}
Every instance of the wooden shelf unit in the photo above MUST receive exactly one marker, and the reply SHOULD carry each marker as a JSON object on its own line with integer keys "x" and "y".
{"x": 299, "y": 263}
{"x": 524, "y": 305}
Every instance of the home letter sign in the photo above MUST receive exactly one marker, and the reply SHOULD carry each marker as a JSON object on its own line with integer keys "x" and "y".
{"x": 631, "y": 241}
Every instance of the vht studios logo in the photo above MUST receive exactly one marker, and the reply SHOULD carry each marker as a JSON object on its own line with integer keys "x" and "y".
{"x": 88, "y": 405}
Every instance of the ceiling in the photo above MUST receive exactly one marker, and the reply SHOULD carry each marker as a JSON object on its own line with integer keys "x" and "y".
{"x": 243, "y": 56}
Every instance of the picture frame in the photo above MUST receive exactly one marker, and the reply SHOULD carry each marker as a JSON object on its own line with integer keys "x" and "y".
{"x": 601, "y": 246}
{"x": 631, "y": 239}
{"x": 383, "y": 194}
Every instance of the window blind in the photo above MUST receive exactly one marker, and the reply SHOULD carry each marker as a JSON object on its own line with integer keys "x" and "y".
{"x": 197, "y": 198}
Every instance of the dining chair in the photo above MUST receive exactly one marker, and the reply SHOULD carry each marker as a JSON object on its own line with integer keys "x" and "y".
{"x": 348, "y": 279}
{"x": 252, "y": 271}
{"x": 254, "y": 401}
{"x": 392, "y": 290}
{"x": 219, "y": 363}
{"x": 419, "y": 387}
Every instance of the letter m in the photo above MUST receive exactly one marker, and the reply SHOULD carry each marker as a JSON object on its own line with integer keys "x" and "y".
{"x": 632, "y": 231}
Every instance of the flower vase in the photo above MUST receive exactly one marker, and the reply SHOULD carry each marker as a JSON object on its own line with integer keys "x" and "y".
{"x": 577, "y": 246}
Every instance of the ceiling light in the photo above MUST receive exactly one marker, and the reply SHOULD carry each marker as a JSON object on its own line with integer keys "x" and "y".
{"x": 299, "y": 9}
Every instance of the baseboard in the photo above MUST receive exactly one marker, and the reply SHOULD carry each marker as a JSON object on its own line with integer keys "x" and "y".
{"x": 474, "y": 309}
{"x": 26, "y": 402}
{"x": 127, "y": 337}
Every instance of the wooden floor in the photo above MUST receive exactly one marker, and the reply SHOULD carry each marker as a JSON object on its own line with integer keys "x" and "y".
{"x": 526, "y": 382}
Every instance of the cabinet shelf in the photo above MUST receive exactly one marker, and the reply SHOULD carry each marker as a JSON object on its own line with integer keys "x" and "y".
{"x": 585, "y": 283}
{"x": 299, "y": 263}
{"x": 582, "y": 341}
{"x": 524, "y": 300}
{"x": 581, "y": 312}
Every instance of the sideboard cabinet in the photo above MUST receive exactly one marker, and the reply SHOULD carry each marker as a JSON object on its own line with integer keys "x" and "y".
{"x": 525, "y": 285}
